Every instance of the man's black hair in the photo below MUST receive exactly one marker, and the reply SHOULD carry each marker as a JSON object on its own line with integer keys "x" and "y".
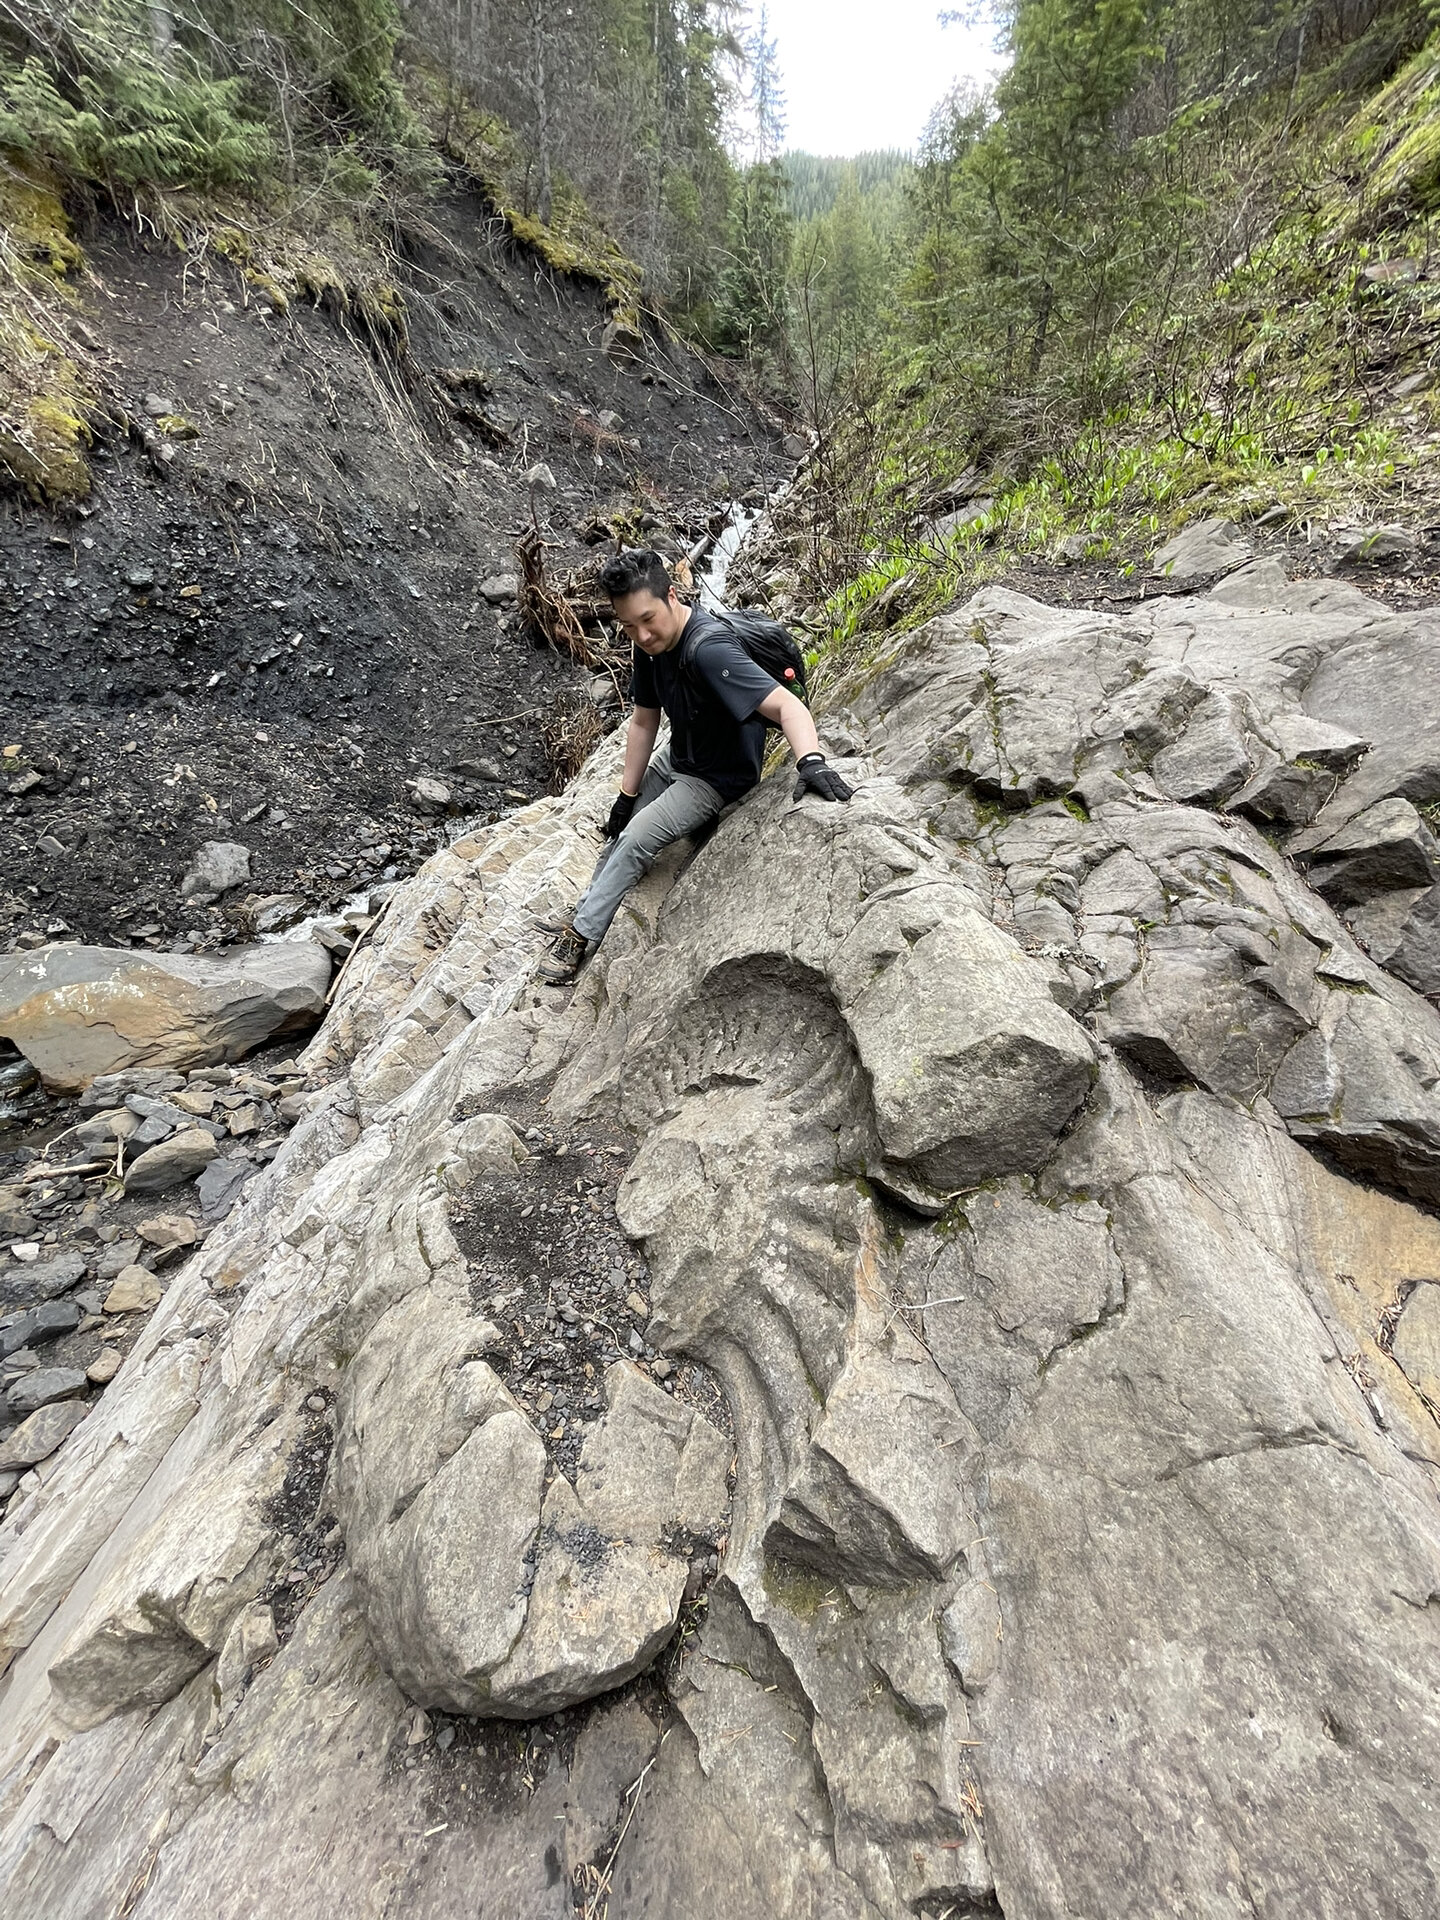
{"x": 637, "y": 570}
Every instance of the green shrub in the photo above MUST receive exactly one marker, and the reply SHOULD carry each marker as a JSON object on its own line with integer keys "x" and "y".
{"x": 130, "y": 125}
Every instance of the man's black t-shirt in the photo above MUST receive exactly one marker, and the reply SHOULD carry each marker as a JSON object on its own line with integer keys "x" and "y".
{"x": 710, "y": 702}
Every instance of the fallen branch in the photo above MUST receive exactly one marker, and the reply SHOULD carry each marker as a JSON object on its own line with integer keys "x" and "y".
{"x": 36, "y": 1174}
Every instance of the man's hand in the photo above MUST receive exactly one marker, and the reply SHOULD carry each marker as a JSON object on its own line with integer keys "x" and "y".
{"x": 620, "y": 814}
{"x": 815, "y": 777}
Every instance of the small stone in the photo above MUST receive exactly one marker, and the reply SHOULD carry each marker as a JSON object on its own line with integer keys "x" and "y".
{"x": 445, "y": 1739}
{"x": 51, "y": 1278}
{"x": 663, "y": 1368}
{"x": 638, "y": 1306}
{"x": 117, "y": 1256}
{"x": 219, "y": 1185}
{"x": 54, "y": 1317}
{"x": 136, "y": 1290}
{"x": 246, "y": 1119}
{"x": 215, "y": 868}
{"x": 175, "y": 1160}
{"x": 15, "y": 1331}
{"x": 1377, "y": 543}
{"x": 167, "y": 1230}
{"x": 44, "y": 1386}
{"x": 36, "y": 1438}
{"x": 427, "y": 794}
{"x": 25, "y": 1250}
{"x": 316, "y": 1403}
{"x": 539, "y": 478}
{"x": 501, "y": 589}
{"x": 104, "y": 1367}
{"x": 419, "y": 1727}
{"x": 196, "y": 1101}
{"x": 637, "y": 1345}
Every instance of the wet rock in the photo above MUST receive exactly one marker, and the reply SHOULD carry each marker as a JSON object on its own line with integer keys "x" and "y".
{"x": 170, "y": 1164}
{"x": 276, "y": 911}
{"x": 81, "y": 1012}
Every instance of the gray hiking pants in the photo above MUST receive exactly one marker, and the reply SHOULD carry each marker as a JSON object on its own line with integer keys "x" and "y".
{"x": 670, "y": 806}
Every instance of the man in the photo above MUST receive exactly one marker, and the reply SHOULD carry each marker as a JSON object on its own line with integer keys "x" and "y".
{"x": 689, "y": 666}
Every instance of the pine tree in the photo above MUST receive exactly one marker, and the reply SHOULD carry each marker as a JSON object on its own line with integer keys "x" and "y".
{"x": 767, "y": 91}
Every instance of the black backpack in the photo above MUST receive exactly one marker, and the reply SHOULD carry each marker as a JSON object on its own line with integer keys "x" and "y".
{"x": 768, "y": 645}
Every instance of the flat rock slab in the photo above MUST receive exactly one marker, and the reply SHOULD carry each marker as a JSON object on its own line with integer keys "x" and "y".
{"x": 46, "y": 1384}
{"x": 77, "y": 1011}
{"x": 47, "y": 1279}
{"x": 1201, "y": 552}
{"x": 36, "y": 1438}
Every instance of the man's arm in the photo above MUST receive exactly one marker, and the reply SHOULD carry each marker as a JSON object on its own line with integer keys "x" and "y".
{"x": 639, "y": 745}
{"x": 792, "y": 716}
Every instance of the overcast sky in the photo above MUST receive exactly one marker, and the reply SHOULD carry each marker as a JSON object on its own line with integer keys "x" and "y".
{"x": 862, "y": 74}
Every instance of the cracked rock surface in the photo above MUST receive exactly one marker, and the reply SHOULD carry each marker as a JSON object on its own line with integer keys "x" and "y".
{"x": 1000, "y": 1477}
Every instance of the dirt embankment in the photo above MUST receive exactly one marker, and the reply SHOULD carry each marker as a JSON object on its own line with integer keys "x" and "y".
{"x": 270, "y": 615}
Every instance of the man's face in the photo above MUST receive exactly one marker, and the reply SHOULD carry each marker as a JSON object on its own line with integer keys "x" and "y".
{"x": 654, "y": 625}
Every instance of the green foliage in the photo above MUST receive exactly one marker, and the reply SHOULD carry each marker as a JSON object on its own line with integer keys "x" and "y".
{"x": 817, "y": 181}
{"x": 130, "y": 125}
{"x": 1177, "y": 261}
{"x": 753, "y": 306}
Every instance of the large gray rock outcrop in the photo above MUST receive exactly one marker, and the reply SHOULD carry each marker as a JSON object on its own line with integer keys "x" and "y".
{"x": 1032, "y": 1152}
{"x": 81, "y": 1011}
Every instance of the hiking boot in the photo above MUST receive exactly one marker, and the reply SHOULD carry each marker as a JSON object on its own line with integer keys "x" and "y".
{"x": 568, "y": 953}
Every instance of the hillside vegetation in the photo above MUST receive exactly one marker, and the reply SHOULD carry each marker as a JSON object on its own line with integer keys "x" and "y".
{"x": 1180, "y": 259}
{"x": 307, "y": 145}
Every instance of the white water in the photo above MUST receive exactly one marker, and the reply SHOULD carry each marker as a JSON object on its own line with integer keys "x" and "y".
{"x": 711, "y": 584}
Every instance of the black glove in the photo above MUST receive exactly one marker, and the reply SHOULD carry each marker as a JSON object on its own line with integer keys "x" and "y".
{"x": 816, "y": 777}
{"x": 620, "y": 815}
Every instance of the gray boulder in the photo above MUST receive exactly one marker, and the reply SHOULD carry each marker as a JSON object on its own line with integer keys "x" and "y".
{"x": 42, "y": 1386}
{"x": 36, "y": 1438}
{"x": 1080, "y": 1410}
{"x": 79, "y": 1012}
{"x": 172, "y": 1162}
{"x": 215, "y": 868}
{"x": 1202, "y": 551}
{"x": 1387, "y": 846}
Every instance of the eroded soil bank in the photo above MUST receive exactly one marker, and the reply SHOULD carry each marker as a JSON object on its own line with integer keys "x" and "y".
{"x": 260, "y": 628}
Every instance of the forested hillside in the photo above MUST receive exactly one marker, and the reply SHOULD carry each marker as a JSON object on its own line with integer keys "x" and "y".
{"x": 1179, "y": 254}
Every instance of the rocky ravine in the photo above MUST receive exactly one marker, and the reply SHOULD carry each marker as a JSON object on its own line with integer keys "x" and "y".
{"x": 1046, "y": 1171}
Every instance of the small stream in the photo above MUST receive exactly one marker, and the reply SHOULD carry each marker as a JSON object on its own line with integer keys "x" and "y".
{"x": 711, "y": 582}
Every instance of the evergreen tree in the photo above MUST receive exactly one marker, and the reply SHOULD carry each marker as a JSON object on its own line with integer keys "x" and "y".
{"x": 767, "y": 92}
{"x": 754, "y": 299}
